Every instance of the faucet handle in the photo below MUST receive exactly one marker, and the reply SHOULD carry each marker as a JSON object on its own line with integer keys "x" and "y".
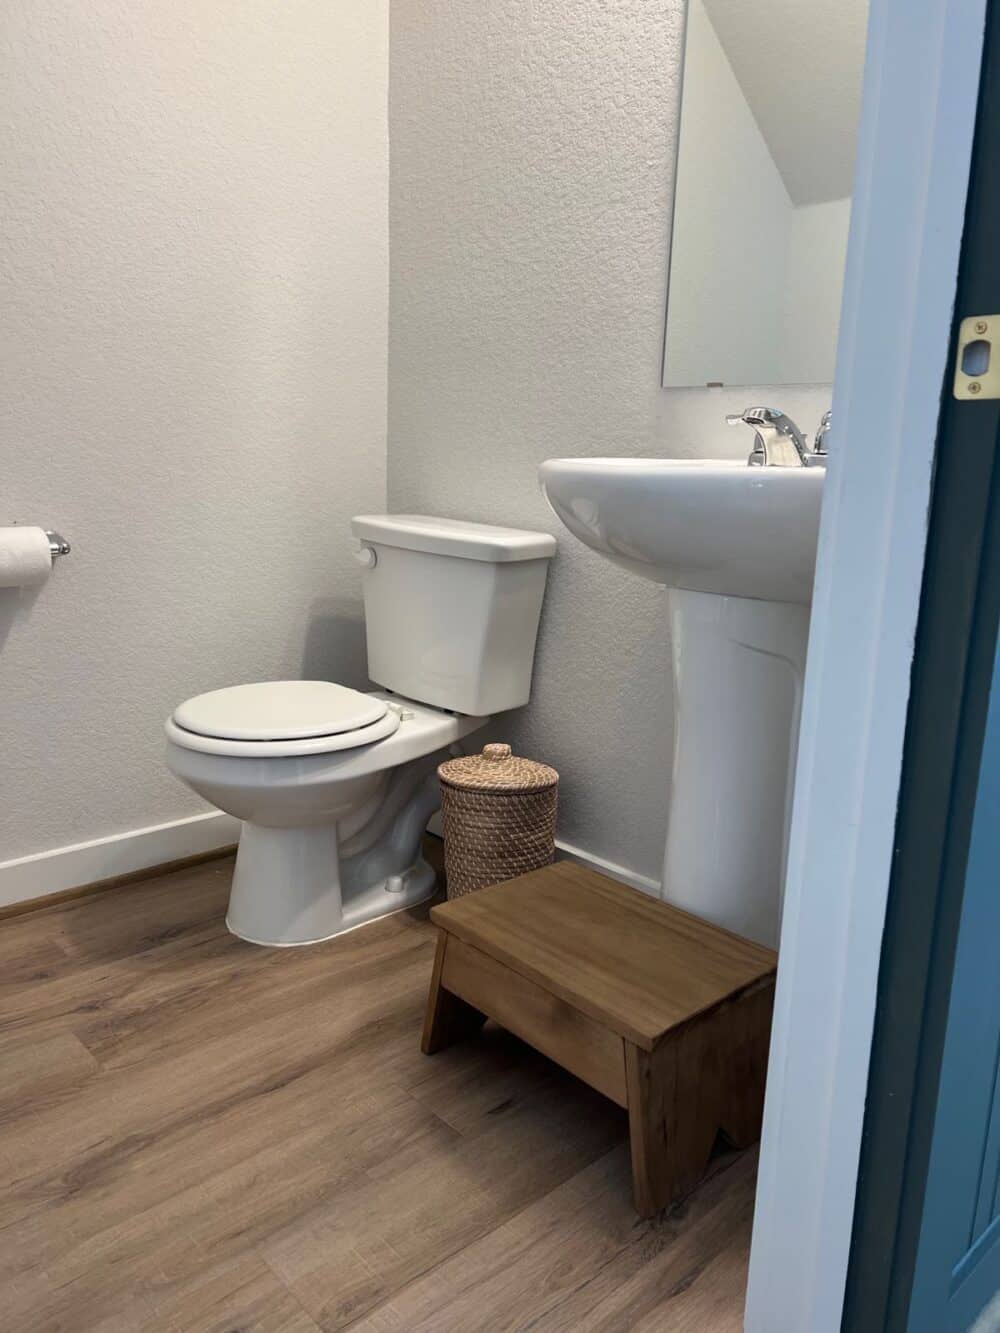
{"x": 820, "y": 445}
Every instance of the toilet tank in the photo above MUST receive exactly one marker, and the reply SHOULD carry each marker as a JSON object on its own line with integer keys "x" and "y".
{"x": 452, "y": 608}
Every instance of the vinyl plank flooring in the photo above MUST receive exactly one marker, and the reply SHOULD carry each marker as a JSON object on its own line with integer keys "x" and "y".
{"x": 569, "y": 1261}
{"x": 36, "y": 1073}
{"x": 243, "y": 1295}
{"x": 197, "y": 1135}
{"x": 415, "y": 1207}
{"x": 202, "y": 997}
{"x": 525, "y": 1266}
{"x": 122, "y": 925}
{"x": 712, "y": 1299}
{"x": 63, "y": 965}
{"x": 158, "y": 1126}
{"x": 27, "y": 956}
{"x": 98, "y": 1258}
{"x": 652, "y": 1285}
{"x": 471, "y": 1084}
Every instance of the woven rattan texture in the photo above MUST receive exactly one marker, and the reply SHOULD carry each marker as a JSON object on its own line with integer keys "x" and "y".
{"x": 489, "y": 837}
{"x": 496, "y": 769}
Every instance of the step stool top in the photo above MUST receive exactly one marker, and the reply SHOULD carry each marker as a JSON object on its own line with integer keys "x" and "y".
{"x": 629, "y": 961}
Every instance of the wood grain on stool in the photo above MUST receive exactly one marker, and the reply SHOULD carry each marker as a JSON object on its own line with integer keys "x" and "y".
{"x": 662, "y": 1012}
{"x": 451, "y": 1018}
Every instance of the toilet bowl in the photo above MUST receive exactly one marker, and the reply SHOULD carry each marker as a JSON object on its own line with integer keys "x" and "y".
{"x": 335, "y": 786}
{"x": 332, "y": 823}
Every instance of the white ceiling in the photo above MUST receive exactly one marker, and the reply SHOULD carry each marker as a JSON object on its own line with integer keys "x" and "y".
{"x": 799, "y": 63}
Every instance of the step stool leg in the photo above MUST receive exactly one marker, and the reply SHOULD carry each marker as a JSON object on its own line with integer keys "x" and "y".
{"x": 702, "y": 1078}
{"x": 671, "y": 1141}
{"x": 749, "y": 1037}
{"x": 448, "y": 1018}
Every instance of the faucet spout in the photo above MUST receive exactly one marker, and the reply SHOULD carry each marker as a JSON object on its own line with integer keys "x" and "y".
{"x": 778, "y": 442}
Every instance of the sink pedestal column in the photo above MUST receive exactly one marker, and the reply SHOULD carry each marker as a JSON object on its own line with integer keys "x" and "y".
{"x": 738, "y": 671}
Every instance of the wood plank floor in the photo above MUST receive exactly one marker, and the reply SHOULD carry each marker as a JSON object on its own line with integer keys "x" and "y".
{"x": 200, "y": 1135}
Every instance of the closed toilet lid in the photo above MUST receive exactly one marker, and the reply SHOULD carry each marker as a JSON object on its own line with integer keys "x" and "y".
{"x": 279, "y": 710}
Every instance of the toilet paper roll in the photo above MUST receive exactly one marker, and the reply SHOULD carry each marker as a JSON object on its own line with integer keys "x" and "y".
{"x": 25, "y": 557}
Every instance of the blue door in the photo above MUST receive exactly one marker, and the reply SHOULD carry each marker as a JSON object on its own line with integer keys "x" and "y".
{"x": 957, "y": 1269}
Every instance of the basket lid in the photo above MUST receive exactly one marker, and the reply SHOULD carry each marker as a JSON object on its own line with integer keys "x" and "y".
{"x": 497, "y": 769}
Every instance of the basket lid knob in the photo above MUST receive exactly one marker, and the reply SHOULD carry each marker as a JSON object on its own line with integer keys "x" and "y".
{"x": 497, "y": 770}
{"x": 496, "y": 751}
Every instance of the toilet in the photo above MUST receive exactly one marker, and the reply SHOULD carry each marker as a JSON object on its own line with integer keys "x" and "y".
{"x": 335, "y": 786}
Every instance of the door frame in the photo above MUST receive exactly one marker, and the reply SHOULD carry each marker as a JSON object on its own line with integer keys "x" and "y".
{"x": 918, "y": 115}
{"x": 907, "y": 1196}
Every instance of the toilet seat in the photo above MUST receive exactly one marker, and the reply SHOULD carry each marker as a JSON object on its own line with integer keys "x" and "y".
{"x": 281, "y": 717}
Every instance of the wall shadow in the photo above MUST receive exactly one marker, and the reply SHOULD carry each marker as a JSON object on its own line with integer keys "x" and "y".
{"x": 334, "y": 645}
{"x": 16, "y": 604}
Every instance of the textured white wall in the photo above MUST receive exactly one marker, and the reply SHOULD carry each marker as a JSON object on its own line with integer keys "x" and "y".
{"x": 531, "y": 177}
{"x": 194, "y": 374}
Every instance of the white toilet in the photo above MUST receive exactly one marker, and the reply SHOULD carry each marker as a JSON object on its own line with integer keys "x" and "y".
{"x": 335, "y": 787}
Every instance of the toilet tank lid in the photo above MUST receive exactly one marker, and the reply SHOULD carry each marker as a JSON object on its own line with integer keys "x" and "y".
{"x": 451, "y": 536}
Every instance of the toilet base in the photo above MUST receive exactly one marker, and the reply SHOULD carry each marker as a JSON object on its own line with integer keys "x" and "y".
{"x": 288, "y": 888}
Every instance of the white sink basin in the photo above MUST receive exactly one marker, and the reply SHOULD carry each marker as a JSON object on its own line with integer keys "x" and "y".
{"x": 735, "y": 547}
{"x": 706, "y": 526}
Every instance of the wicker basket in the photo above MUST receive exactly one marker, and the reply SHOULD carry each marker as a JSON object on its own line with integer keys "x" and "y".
{"x": 499, "y": 818}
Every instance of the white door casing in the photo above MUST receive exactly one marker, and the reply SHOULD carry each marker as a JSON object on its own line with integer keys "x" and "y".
{"x": 918, "y": 116}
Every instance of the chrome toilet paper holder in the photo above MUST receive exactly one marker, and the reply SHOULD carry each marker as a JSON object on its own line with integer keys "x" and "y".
{"x": 58, "y": 545}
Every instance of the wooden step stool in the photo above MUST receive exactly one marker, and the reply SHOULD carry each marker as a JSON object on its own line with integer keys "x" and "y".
{"x": 665, "y": 1014}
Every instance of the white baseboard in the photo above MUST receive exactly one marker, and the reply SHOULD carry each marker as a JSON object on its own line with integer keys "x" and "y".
{"x": 44, "y": 873}
{"x": 62, "y": 868}
{"x": 567, "y": 852}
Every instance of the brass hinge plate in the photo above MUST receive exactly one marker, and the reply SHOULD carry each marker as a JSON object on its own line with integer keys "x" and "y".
{"x": 977, "y": 365}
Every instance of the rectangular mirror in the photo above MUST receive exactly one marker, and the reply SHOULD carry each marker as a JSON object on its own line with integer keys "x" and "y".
{"x": 765, "y": 163}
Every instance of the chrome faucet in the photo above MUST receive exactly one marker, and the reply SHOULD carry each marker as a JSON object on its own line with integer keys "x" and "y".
{"x": 820, "y": 445}
{"x": 778, "y": 442}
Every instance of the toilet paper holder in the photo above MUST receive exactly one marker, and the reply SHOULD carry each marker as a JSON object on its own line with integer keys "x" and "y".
{"x": 58, "y": 545}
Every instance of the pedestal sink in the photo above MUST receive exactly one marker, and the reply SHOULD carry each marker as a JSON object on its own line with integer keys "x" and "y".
{"x": 735, "y": 546}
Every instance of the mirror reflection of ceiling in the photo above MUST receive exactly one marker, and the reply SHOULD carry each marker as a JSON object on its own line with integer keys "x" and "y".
{"x": 799, "y": 64}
